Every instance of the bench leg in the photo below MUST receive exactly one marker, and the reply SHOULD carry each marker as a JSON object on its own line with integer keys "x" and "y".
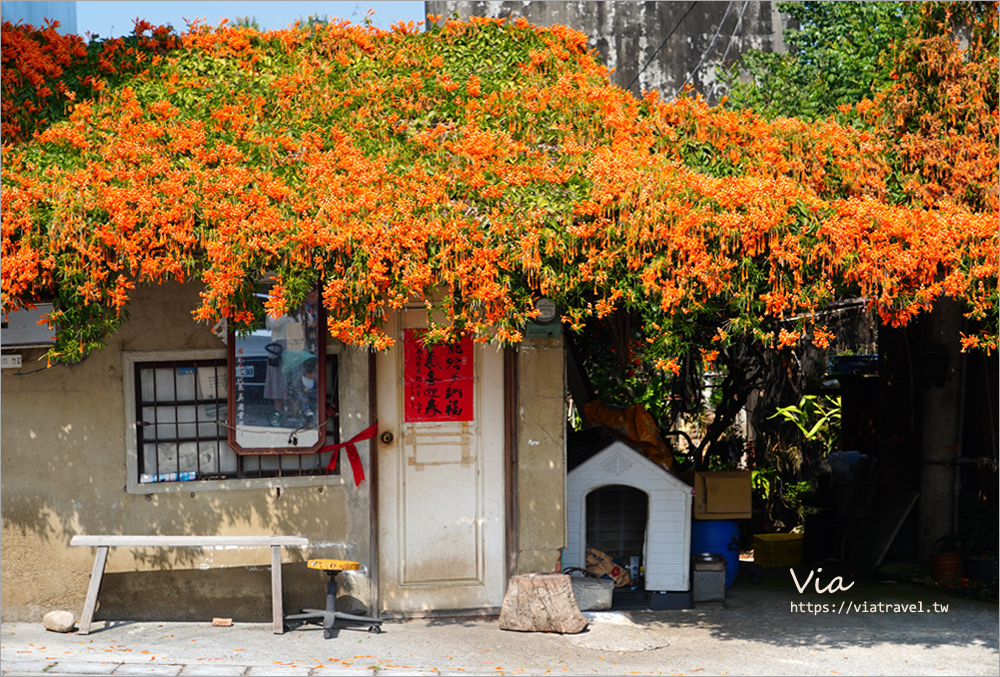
{"x": 277, "y": 607}
{"x": 95, "y": 586}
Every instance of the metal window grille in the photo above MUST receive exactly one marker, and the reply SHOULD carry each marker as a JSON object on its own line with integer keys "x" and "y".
{"x": 182, "y": 430}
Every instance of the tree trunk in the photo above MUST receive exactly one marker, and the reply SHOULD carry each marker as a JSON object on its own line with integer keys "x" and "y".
{"x": 742, "y": 378}
{"x": 541, "y": 603}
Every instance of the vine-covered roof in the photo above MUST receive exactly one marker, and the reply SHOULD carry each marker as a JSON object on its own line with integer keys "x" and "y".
{"x": 484, "y": 163}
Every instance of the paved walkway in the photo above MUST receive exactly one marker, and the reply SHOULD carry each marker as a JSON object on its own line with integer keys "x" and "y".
{"x": 766, "y": 629}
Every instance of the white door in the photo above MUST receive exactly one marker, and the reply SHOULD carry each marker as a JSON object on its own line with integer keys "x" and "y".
{"x": 441, "y": 485}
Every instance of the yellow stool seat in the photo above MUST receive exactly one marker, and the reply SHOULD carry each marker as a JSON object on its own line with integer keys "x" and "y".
{"x": 330, "y": 616}
{"x": 333, "y": 565}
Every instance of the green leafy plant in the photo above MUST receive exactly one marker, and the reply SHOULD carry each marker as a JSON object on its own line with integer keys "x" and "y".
{"x": 840, "y": 53}
{"x": 817, "y": 418}
{"x": 764, "y": 482}
{"x": 780, "y": 499}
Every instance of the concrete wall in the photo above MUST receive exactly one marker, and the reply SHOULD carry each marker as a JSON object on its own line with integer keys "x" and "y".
{"x": 541, "y": 461}
{"x": 63, "y": 461}
{"x": 630, "y": 35}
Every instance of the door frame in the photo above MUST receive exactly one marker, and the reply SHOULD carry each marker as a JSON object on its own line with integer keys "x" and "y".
{"x": 373, "y": 485}
{"x": 511, "y": 509}
{"x": 510, "y": 402}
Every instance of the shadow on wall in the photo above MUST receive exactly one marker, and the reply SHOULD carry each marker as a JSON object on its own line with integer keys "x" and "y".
{"x": 76, "y": 501}
{"x": 239, "y": 593}
{"x": 69, "y": 478}
{"x": 64, "y": 474}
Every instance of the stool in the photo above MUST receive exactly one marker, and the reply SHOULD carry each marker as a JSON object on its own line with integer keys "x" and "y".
{"x": 330, "y": 615}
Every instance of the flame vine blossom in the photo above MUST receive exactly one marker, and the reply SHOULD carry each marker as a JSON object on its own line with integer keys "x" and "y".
{"x": 480, "y": 164}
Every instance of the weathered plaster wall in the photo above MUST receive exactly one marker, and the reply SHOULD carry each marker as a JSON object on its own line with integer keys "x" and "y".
{"x": 629, "y": 35}
{"x": 541, "y": 460}
{"x": 63, "y": 461}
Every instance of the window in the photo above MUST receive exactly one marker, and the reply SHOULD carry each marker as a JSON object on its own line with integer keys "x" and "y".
{"x": 178, "y": 432}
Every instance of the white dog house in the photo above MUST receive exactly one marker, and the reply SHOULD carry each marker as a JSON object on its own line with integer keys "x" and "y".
{"x": 666, "y": 542}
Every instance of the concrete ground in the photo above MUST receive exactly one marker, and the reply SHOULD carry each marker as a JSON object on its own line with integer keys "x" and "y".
{"x": 874, "y": 628}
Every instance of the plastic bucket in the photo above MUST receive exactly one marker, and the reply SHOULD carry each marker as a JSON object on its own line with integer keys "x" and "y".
{"x": 721, "y": 537}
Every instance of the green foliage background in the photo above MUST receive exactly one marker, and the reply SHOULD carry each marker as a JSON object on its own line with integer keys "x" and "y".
{"x": 840, "y": 53}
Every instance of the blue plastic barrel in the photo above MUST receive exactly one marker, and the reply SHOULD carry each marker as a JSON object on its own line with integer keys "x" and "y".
{"x": 721, "y": 537}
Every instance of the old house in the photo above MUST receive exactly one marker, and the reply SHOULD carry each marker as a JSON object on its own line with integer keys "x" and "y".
{"x": 448, "y": 508}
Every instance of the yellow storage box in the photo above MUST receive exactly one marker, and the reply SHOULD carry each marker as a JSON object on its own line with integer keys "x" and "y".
{"x": 777, "y": 550}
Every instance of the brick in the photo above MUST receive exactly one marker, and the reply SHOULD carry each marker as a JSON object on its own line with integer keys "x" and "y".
{"x": 209, "y": 670}
{"x": 278, "y": 671}
{"x": 165, "y": 669}
{"x": 25, "y": 667}
{"x": 83, "y": 668}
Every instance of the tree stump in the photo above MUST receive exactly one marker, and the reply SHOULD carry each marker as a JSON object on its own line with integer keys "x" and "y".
{"x": 541, "y": 603}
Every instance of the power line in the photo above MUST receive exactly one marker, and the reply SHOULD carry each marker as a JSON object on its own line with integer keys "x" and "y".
{"x": 657, "y": 50}
{"x": 739, "y": 22}
{"x": 722, "y": 63}
{"x": 711, "y": 46}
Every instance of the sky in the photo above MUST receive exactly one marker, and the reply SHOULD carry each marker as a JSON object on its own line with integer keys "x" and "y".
{"x": 114, "y": 18}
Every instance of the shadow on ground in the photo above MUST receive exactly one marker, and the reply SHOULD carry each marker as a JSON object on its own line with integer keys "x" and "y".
{"x": 855, "y": 611}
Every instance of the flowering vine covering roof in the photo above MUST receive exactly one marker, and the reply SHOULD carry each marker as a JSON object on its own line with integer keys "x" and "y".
{"x": 484, "y": 163}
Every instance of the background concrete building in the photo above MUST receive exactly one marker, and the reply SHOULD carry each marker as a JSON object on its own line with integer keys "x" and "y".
{"x": 35, "y": 13}
{"x": 651, "y": 45}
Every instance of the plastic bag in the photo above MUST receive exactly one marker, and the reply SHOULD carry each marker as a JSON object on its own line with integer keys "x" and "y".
{"x": 604, "y": 566}
{"x": 636, "y": 426}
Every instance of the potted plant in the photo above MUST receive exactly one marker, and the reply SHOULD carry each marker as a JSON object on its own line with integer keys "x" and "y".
{"x": 949, "y": 562}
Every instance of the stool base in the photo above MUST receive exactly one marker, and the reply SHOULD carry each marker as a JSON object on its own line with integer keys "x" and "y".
{"x": 329, "y": 620}
{"x": 329, "y": 616}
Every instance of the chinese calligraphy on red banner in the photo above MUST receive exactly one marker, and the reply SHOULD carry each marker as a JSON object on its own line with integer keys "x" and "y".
{"x": 438, "y": 381}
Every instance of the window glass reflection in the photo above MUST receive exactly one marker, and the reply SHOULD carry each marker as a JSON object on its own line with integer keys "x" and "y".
{"x": 277, "y": 389}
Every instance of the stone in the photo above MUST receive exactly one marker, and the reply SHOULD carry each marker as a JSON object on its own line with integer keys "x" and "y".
{"x": 541, "y": 603}
{"x": 59, "y": 621}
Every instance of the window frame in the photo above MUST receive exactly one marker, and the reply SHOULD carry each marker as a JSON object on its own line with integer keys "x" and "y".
{"x": 133, "y": 486}
{"x": 290, "y": 448}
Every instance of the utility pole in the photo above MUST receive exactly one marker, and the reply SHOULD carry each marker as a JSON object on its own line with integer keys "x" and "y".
{"x": 941, "y": 441}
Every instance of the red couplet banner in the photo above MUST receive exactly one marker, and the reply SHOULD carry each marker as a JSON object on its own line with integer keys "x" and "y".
{"x": 437, "y": 381}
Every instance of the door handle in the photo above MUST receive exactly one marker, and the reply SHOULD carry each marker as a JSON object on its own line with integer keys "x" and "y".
{"x": 386, "y": 437}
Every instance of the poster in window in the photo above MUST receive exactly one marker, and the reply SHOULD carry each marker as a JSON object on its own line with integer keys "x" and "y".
{"x": 438, "y": 380}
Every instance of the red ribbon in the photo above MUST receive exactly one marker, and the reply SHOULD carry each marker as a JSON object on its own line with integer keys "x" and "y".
{"x": 352, "y": 453}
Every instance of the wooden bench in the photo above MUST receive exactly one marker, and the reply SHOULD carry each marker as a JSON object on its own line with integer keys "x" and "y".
{"x": 103, "y": 543}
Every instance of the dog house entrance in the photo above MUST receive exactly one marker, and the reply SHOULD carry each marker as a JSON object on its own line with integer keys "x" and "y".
{"x": 616, "y": 525}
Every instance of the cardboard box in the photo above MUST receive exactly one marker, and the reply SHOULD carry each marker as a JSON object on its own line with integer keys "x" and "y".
{"x": 722, "y": 495}
{"x": 777, "y": 550}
